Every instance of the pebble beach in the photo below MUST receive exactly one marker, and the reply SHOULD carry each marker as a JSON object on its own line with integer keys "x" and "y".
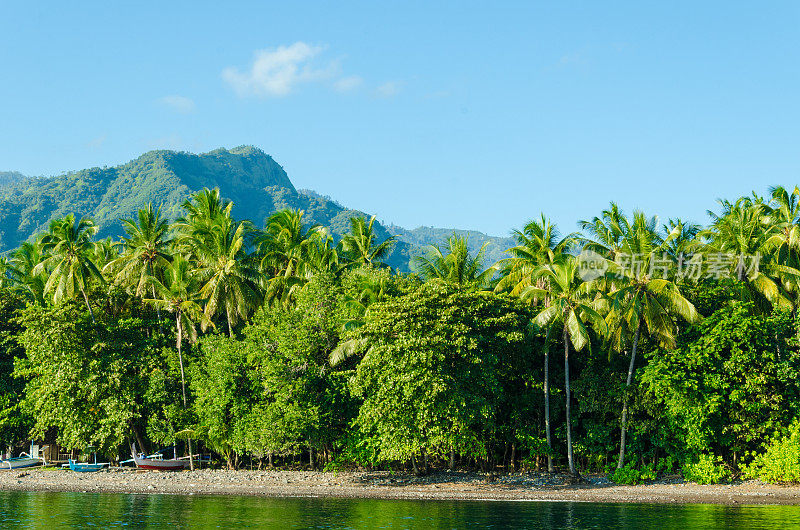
{"x": 385, "y": 485}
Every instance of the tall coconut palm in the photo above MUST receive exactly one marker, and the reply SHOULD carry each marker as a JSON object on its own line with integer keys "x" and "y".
{"x": 458, "y": 266}
{"x": 70, "y": 259}
{"x": 361, "y": 243}
{"x": 230, "y": 281}
{"x": 572, "y": 306}
{"x": 645, "y": 299}
{"x": 179, "y": 292}
{"x": 538, "y": 244}
{"x": 146, "y": 251}
{"x": 642, "y": 293}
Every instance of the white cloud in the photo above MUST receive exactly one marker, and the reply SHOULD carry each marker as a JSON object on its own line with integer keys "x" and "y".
{"x": 347, "y": 83}
{"x": 180, "y": 104}
{"x": 277, "y": 71}
{"x": 389, "y": 89}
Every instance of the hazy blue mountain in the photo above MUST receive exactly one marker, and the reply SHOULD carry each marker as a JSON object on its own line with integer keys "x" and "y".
{"x": 421, "y": 237}
{"x": 249, "y": 177}
{"x": 7, "y": 178}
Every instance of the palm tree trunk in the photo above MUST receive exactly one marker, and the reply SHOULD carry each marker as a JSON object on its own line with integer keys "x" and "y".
{"x": 191, "y": 457}
{"x": 158, "y": 311}
{"x": 230, "y": 327}
{"x": 570, "y": 459}
{"x": 547, "y": 400}
{"x": 183, "y": 381}
{"x": 180, "y": 357}
{"x": 621, "y": 461}
{"x": 88, "y": 305}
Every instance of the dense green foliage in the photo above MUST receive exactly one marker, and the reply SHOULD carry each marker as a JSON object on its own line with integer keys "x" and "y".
{"x": 432, "y": 380}
{"x": 280, "y": 344}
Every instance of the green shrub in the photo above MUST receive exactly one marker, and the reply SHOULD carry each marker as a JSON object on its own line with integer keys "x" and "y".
{"x": 705, "y": 469}
{"x": 629, "y": 474}
{"x": 780, "y": 462}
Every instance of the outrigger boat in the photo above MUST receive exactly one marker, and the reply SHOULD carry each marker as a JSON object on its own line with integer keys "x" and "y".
{"x": 157, "y": 462}
{"x": 23, "y": 460}
{"x": 86, "y": 467}
{"x": 20, "y": 462}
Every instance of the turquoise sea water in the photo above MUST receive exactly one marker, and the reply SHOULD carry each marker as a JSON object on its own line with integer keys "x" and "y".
{"x": 106, "y": 510}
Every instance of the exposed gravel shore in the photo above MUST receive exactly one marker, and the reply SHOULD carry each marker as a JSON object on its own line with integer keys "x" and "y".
{"x": 452, "y": 486}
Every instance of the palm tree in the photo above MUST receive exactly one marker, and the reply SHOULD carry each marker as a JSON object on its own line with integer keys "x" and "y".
{"x": 606, "y": 232}
{"x": 572, "y": 306}
{"x": 5, "y": 272}
{"x": 285, "y": 244}
{"x": 367, "y": 286}
{"x": 70, "y": 249}
{"x": 458, "y": 266}
{"x": 361, "y": 245}
{"x": 784, "y": 217}
{"x": 231, "y": 282}
{"x": 180, "y": 294}
{"x": 104, "y": 252}
{"x": 643, "y": 301}
{"x": 323, "y": 253}
{"x": 640, "y": 299}
{"x": 783, "y": 246}
{"x": 743, "y": 231}
{"x": 288, "y": 250}
{"x": 202, "y": 211}
{"x": 538, "y": 244}
{"x": 146, "y": 250}
{"x": 23, "y": 263}
{"x": 681, "y": 238}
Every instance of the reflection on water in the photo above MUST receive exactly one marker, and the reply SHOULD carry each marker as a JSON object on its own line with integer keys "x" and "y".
{"x": 107, "y": 510}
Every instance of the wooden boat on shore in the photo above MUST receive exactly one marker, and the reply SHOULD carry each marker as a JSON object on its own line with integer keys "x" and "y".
{"x": 20, "y": 462}
{"x": 157, "y": 462}
{"x": 85, "y": 467}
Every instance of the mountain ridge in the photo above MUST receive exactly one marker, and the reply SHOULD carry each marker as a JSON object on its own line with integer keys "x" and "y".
{"x": 248, "y": 176}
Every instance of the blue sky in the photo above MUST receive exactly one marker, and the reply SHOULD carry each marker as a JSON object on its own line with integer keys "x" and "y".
{"x": 451, "y": 114}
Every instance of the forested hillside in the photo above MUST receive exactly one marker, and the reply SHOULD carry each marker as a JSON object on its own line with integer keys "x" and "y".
{"x": 422, "y": 236}
{"x": 257, "y": 185}
{"x": 7, "y": 178}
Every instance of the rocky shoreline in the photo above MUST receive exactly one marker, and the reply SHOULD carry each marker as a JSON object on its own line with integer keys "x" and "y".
{"x": 384, "y": 485}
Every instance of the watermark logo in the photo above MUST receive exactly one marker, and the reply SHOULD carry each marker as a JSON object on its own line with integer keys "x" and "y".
{"x": 591, "y": 265}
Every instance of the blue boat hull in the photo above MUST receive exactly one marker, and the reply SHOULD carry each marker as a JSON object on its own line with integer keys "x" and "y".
{"x": 85, "y": 468}
{"x": 19, "y": 463}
